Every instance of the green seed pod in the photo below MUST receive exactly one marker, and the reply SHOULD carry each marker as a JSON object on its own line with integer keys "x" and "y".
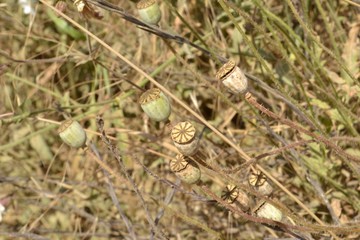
{"x": 149, "y": 11}
{"x": 266, "y": 210}
{"x": 232, "y": 77}
{"x": 186, "y": 169}
{"x": 155, "y": 104}
{"x": 184, "y": 137}
{"x": 233, "y": 195}
{"x": 72, "y": 133}
{"x": 259, "y": 182}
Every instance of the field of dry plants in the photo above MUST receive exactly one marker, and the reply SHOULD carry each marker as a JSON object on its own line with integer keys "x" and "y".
{"x": 181, "y": 119}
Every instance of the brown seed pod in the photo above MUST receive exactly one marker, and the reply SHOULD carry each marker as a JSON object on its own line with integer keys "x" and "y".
{"x": 184, "y": 137}
{"x": 87, "y": 9}
{"x": 266, "y": 210}
{"x": 186, "y": 169}
{"x": 80, "y": 5}
{"x": 232, "y": 77}
{"x": 155, "y": 104}
{"x": 61, "y": 6}
{"x": 234, "y": 195}
{"x": 259, "y": 182}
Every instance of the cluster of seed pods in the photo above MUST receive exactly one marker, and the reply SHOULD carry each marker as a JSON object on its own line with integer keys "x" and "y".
{"x": 157, "y": 107}
{"x": 236, "y": 82}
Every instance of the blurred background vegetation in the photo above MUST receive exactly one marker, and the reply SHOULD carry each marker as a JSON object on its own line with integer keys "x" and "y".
{"x": 302, "y": 62}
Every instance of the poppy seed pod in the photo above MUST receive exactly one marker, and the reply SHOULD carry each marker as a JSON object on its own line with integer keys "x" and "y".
{"x": 80, "y": 5}
{"x": 185, "y": 169}
{"x": 2, "y": 210}
{"x": 72, "y": 133}
{"x": 61, "y": 6}
{"x": 184, "y": 138}
{"x": 266, "y": 210}
{"x": 259, "y": 182}
{"x": 149, "y": 11}
{"x": 155, "y": 104}
{"x": 232, "y": 77}
{"x": 233, "y": 195}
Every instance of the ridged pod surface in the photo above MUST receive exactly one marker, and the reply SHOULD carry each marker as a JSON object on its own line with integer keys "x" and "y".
{"x": 232, "y": 77}
{"x": 155, "y": 104}
{"x": 266, "y": 210}
{"x": 149, "y": 11}
{"x": 72, "y": 133}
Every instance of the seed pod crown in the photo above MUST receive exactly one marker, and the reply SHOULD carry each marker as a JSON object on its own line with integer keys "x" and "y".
{"x": 184, "y": 137}
{"x": 259, "y": 182}
{"x": 186, "y": 169}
